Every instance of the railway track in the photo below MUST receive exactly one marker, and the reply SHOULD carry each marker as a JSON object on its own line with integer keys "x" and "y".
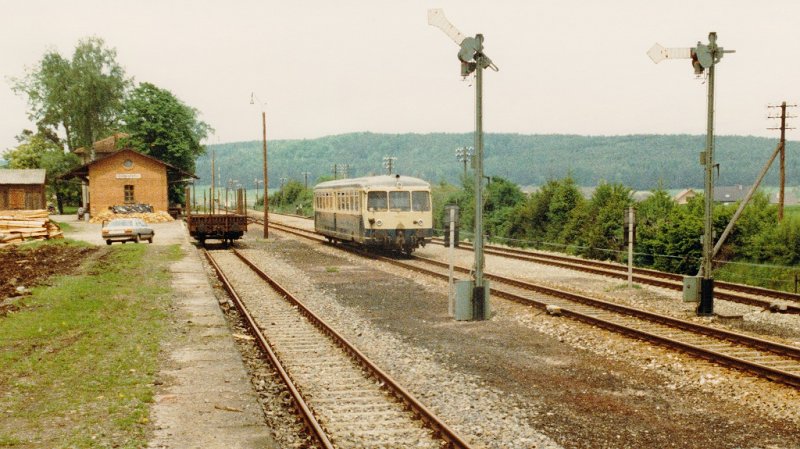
{"x": 765, "y": 358}
{"x": 344, "y": 399}
{"x": 723, "y": 290}
{"x": 728, "y": 291}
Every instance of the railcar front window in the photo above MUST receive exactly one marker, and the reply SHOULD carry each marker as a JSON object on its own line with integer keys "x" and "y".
{"x": 420, "y": 201}
{"x": 399, "y": 201}
{"x": 376, "y": 201}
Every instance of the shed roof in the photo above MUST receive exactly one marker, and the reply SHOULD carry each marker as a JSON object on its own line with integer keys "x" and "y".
{"x": 22, "y": 176}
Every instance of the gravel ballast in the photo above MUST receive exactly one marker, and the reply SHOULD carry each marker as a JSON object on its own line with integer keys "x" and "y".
{"x": 524, "y": 379}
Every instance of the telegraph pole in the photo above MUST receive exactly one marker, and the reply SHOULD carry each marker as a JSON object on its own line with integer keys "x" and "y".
{"x": 782, "y": 160}
{"x": 782, "y": 157}
{"x": 212, "y": 180}
{"x": 305, "y": 176}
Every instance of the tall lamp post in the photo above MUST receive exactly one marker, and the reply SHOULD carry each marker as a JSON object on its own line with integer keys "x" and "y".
{"x": 388, "y": 163}
{"x": 464, "y": 154}
{"x": 472, "y": 60}
{"x": 254, "y": 97}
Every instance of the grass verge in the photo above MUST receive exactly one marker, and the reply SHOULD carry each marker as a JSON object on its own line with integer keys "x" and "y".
{"x": 776, "y": 278}
{"x": 77, "y": 364}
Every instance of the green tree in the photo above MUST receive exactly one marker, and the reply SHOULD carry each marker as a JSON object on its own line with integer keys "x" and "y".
{"x": 778, "y": 245}
{"x": 501, "y": 197}
{"x": 160, "y": 125}
{"x": 676, "y": 245}
{"x": 651, "y": 216}
{"x": 292, "y": 198}
{"x": 38, "y": 151}
{"x": 565, "y": 198}
{"x": 601, "y": 237}
{"x": 83, "y": 96}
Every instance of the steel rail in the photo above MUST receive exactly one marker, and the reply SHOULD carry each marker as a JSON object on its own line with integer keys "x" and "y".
{"x": 648, "y": 276}
{"x": 733, "y": 337}
{"x": 439, "y": 428}
{"x": 300, "y": 404}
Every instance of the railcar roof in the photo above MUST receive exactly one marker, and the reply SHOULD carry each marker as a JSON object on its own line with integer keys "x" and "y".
{"x": 373, "y": 182}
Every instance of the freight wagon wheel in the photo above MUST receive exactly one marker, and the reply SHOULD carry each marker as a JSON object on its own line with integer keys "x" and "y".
{"x": 136, "y": 239}
{"x": 108, "y": 242}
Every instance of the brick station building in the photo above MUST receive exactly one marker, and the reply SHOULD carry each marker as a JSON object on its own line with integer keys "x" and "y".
{"x": 126, "y": 177}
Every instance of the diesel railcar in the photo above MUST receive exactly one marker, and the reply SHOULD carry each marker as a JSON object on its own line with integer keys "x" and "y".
{"x": 388, "y": 212}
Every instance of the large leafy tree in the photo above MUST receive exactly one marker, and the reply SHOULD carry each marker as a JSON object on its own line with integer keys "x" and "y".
{"x": 38, "y": 151}
{"x": 162, "y": 126}
{"x": 81, "y": 97}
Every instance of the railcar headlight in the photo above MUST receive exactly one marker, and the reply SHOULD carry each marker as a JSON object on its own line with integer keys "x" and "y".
{"x": 379, "y": 222}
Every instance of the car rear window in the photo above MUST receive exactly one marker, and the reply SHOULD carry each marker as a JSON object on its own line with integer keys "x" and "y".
{"x": 120, "y": 223}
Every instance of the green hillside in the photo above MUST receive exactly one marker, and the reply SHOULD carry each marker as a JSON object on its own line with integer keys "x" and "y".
{"x": 638, "y": 161}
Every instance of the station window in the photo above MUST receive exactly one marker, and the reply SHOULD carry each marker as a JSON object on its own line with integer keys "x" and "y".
{"x": 376, "y": 201}
{"x": 399, "y": 201}
{"x": 129, "y": 193}
{"x": 420, "y": 201}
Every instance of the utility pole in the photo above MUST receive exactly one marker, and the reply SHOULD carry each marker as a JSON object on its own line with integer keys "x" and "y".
{"x": 266, "y": 182}
{"x": 305, "y": 176}
{"x": 212, "y": 180}
{"x": 782, "y": 158}
{"x": 253, "y": 98}
{"x": 255, "y": 181}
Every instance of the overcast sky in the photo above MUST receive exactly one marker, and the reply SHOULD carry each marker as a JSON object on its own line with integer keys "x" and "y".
{"x": 331, "y": 67}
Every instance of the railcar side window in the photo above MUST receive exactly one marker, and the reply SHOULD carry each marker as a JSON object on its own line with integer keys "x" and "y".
{"x": 420, "y": 201}
{"x": 376, "y": 201}
{"x": 399, "y": 201}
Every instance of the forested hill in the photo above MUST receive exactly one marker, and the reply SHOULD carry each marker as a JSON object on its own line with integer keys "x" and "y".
{"x": 638, "y": 161}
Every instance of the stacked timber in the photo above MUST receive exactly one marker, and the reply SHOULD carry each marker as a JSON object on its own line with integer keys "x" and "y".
{"x": 17, "y": 226}
{"x": 148, "y": 217}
